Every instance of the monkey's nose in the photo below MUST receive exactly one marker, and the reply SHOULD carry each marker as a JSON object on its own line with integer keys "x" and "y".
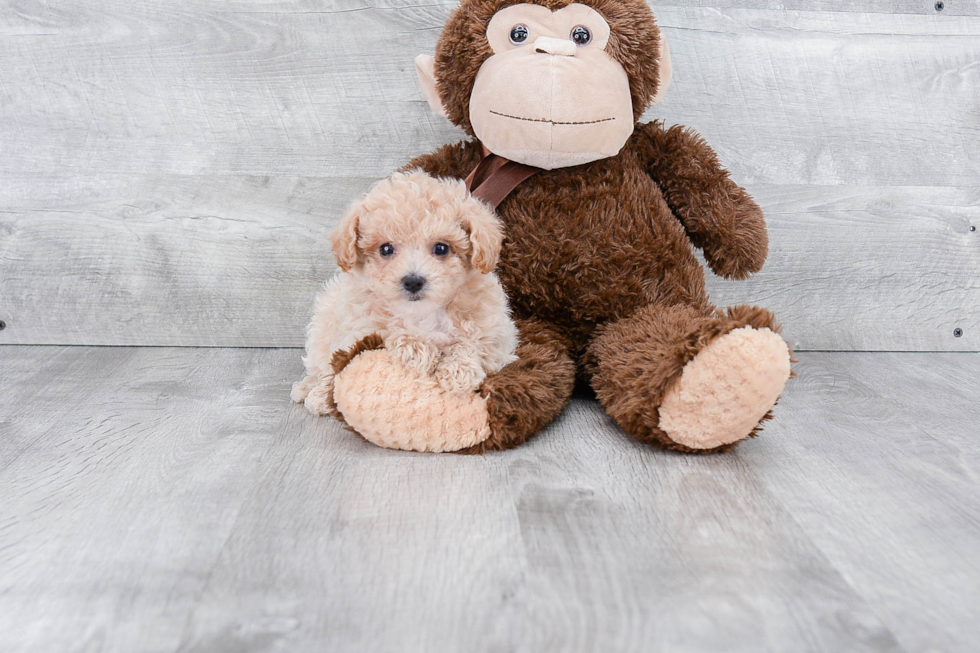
{"x": 548, "y": 45}
{"x": 413, "y": 283}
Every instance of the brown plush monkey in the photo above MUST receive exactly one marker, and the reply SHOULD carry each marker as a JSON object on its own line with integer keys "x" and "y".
{"x": 598, "y": 261}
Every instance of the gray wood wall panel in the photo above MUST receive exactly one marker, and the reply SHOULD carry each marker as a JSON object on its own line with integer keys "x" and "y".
{"x": 236, "y": 261}
{"x": 135, "y": 139}
{"x": 921, "y": 7}
{"x": 173, "y": 500}
{"x": 179, "y": 260}
{"x": 785, "y": 97}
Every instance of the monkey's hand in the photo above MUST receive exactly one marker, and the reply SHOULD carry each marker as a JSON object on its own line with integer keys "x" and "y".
{"x": 392, "y": 406}
{"x": 719, "y": 216}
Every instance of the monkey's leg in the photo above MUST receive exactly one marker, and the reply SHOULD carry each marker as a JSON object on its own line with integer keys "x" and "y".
{"x": 688, "y": 378}
{"x": 528, "y": 394}
{"x": 395, "y": 408}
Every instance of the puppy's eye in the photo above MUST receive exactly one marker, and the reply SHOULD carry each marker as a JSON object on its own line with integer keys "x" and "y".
{"x": 519, "y": 34}
{"x": 440, "y": 249}
{"x": 387, "y": 250}
{"x": 581, "y": 35}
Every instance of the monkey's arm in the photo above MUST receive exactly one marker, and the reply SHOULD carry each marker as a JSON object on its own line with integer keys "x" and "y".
{"x": 720, "y": 217}
{"x": 455, "y": 160}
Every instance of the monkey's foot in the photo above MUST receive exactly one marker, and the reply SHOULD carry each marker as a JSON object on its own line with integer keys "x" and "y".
{"x": 393, "y": 407}
{"x": 727, "y": 389}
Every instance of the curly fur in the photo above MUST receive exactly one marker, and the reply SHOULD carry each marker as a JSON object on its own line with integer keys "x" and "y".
{"x": 457, "y": 328}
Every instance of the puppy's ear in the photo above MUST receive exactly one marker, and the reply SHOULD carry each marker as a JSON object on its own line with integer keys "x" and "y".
{"x": 343, "y": 239}
{"x": 486, "y": 235}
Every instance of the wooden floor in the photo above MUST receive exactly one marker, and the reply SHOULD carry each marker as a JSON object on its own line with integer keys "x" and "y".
{"x": 156, "y": 499}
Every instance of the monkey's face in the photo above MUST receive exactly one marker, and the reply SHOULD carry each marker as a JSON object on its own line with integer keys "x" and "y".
{"x": 550, "y": 95}
{"x": 550, "y": 83}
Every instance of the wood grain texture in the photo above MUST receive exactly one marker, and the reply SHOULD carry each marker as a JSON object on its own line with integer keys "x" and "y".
{"x": 172, "y": 500}
{"x": 168, "y": 172}
{"x": 227, "y": 261}
{"x": 787, "y": 97}
{"x": 926, "y": 7}
{"x": 122, "y": 473}
{"x": 920, "y": 7}
{"x": 236, "y": 261}
{"x": 891, "y": 444}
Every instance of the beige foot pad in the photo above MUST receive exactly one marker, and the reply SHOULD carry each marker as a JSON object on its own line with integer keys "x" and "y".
{"x": 726, "y": 389}
{"x": 393, "y": 408}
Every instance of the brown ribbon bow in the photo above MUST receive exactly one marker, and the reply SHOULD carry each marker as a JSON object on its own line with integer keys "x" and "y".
{"x": 495, "y": 177}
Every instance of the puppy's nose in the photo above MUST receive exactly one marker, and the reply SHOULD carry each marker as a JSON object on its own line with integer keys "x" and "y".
{"x": 413, "y": 283}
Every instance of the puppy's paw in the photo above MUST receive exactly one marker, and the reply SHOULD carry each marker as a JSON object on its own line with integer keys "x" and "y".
{"x": 302, "y": 388}
{"x": 460, "y": 376}
{"x": 413, "y": 353}
{"x": 318, "y": 400}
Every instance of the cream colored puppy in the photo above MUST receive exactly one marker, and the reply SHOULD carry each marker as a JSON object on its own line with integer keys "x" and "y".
{"x": 416, "y": 255}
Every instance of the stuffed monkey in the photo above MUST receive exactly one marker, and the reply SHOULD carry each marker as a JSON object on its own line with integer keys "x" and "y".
{"x": 600, "y": 221}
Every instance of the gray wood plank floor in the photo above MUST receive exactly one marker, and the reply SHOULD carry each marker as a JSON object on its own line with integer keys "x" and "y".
{"x": 173, "y": 500}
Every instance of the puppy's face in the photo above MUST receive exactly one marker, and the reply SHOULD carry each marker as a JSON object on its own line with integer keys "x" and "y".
{"x": 420, "y": 261}
{"x": 417, "y": 239}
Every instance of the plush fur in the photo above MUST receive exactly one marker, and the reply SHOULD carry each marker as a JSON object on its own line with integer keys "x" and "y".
{"x": 633, "y": 363}
{"x": 599, "y": 268}
{"x": 526, "y": 395}
{"x": 438, "y": 421}
{"x": 462, "y": 48}
{"x": 726, "y": 389}
{"x": 605, "y": 240}
{"x": 455, "y": 328}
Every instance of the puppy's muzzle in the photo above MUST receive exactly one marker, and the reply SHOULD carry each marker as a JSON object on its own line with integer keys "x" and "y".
{"x": 413, "y": 285}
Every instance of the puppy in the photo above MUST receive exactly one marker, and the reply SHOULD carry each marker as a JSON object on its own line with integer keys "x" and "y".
{"x": 417, "y": 256}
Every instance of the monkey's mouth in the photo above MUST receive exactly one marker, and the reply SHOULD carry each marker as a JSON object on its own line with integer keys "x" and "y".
{"x": 553, "y": 122}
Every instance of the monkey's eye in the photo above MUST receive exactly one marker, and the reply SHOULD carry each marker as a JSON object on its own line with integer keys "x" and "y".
{"x": 387, "y": 250}
{"x": 519, "y": 34}
{"x": 581, "y": 35}
{"x": 440, "y": 249}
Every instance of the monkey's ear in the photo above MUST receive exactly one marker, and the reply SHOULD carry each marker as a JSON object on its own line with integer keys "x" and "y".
{"x": 485, "y": 233}
{"x": 666, "y": 70}
{"x": 343, "y": 239}
{"x": 425, "y": 68}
